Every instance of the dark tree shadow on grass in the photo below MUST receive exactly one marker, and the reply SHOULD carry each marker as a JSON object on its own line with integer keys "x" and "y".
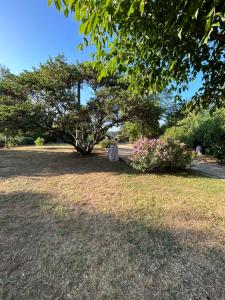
{"x": 81, "y": 253}
{"x": 52, "y": 163}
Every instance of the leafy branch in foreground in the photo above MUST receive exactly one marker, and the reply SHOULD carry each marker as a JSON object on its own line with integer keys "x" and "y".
{"x": 157, "y": 43}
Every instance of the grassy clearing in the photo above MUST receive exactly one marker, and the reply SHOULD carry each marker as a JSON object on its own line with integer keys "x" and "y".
{"x": 77, "y": 227}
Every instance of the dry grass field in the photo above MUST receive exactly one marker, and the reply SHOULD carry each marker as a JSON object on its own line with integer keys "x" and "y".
{"x": 74, "y": 227}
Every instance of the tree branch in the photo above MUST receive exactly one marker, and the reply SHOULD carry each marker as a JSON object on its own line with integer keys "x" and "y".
{"x": 218, "y": 36}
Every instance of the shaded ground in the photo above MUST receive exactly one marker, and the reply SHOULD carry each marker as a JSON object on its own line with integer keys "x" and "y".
{"x": 75, "y": 227}
{"x": 205, "y": 165}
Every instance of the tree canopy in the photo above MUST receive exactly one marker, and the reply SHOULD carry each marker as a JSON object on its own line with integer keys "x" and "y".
{"x": 157, "y": 43}
{"x": 48, "y": 97}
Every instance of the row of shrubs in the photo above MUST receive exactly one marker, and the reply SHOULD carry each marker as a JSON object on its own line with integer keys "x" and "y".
{"x": 21, "y": 141}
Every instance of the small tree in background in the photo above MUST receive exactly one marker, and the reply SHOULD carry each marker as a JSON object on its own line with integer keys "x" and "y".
{"x": 130, "y": 131}
{"x": 146, "y": 119}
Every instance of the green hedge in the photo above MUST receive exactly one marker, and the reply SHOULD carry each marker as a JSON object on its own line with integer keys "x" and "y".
{"x": 205, "y": 129}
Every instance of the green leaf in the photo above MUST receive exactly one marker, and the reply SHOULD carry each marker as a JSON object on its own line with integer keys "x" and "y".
{"x": 196, "y": 14}
{"x": 131, "y": 10}
{"x": 57, "y": 4}
{"x": 85, "y": 41}
{"x": 83, "y": 27}
{"x": 208, "y": 27}
{"x": 93, "y": 21}
{"x": 66, "y": 12}
{"x": 77, "y": 11}
{"x": 216, "y": 24}
{"x": 207, "y": 36}
{"x": 80, "y": 46}
{"x": 179, "y": 33}
{"x": 142, "y": 6}
{"x": 49, "y": 2}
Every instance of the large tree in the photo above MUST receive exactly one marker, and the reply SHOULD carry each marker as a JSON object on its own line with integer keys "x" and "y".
{"x": 49, "y": 98}
{"x": 156, "y": 43}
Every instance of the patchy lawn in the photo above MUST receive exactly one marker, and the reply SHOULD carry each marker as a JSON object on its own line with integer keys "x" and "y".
{"x": 75, "y": 227}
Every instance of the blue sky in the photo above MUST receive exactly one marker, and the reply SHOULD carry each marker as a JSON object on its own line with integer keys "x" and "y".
{"x": 30, "y": 32}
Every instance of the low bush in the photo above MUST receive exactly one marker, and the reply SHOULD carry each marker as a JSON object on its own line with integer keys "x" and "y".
{"x": 13, "y": 141}
{"x": 161, "y": 155}
{"x": 39, "y": 141}
{"x": 105, "y": 143}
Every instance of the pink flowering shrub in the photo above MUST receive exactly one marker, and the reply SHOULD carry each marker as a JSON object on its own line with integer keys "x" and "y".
{"x": 160, "y": 155}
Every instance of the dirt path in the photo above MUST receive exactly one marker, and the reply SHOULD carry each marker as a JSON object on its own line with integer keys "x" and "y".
{"x": 209, "y": 167}
{"x": 204, "y": 164}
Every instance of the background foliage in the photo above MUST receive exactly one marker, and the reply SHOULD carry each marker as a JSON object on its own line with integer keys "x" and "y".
{"x": 206, "y": 129}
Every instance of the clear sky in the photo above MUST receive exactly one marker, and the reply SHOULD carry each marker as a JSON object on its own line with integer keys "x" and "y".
{"x": 30, "y": 32}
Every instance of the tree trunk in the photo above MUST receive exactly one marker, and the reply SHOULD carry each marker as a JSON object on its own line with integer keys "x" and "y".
{"x": 84, "y": 150}
{"x": 79, "y": 103}
{"x": 142, "y": 129}
{"x": 78, "y": 92}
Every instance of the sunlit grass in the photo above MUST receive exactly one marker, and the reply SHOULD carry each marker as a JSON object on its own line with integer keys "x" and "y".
{"x": 77, "y": 227}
